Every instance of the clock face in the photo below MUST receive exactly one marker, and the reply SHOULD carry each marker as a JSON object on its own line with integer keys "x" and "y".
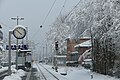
{"x": 19, "y": 32}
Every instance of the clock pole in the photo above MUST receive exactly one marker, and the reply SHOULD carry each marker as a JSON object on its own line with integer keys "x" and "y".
{"x": 19, "y": 33}
{"x": 17, "y": 47}
{"x": 22, "y": 33}
{"x": 17, "y": 54}
{"x": 17, "y": 19}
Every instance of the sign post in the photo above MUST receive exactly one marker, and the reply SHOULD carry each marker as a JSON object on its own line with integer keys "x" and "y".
{"x": 9, "y": 58}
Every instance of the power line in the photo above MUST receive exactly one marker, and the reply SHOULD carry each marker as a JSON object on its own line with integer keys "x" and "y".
{"x": 5, "y": 25}
{"x": 45, "y": 18}
{"x": 73, "y": 8}
{"x": 48, "y": 12}
{"x": 1, "y": 23}
{"x": 59, "y": 13}
{"x": 63, "y": 7}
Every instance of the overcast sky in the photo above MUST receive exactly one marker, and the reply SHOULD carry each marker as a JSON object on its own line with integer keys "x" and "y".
{"x": 34, "y": 13}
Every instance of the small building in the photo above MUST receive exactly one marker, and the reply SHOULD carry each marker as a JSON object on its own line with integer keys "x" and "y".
{"x": 82, "y": 48}
{"x": 61, "y": 60}
{"x": 70, "y": 51}
{"x": 73, "y": 61}
{"x": 61, "y": 54}
{"x": 75, "y": 48}
{"x": 24, "y": 56}
{"x": 86, "y": 59}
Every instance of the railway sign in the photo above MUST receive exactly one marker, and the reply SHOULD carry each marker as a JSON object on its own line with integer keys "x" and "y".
{"x": 20, "y": 46}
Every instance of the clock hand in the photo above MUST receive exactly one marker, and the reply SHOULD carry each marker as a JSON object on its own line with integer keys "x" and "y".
{"x": 19, "y": 32}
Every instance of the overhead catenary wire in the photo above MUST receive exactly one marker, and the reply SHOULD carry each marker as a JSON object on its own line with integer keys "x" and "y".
{"x": 4, "y": 31}
{"x": 62, "y": 7}
{"x": 45, "y": 17}
{"x": 49, "y": 12}
{"x": 59, "y": 13}
{"x": 73, "y": 8}
{"x": 1, "y": 23}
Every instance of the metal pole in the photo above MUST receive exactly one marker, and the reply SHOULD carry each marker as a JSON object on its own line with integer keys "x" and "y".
{"x": 17, "y": 49}
{"x": 9, "y": 58}
{"x": 46, "y": 54}
{"x": 17, "y": 54}
{"x": 17, "y": 19}
{"x": 40, "y": 56}
{"x": 52, "y": 55}
{"x": 56, "y": 67}
{"x": 26, "y": 35}
{"x": 46, "y": 51}
{"x": 43, "y": 53}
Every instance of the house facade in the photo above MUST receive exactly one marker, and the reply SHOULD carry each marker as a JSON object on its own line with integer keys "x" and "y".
{"x": 75, "y": 48}
{"x": 71, "y": 52}
{"x": 82, "y": 47}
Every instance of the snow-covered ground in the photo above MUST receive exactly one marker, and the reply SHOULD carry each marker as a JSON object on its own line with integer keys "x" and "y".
{"x": 73, "y": 73}
{"x": 3, "y": 69}
{"x": 16, "y": 74}
{"x": 78, "y": 73}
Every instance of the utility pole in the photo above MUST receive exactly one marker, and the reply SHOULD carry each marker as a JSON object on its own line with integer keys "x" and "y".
{"x": 56, "y": 50}
{"x": 17, "y": 19}
{"x": 46, "y": 50}
{"x": 9, "y": 58}
{"x": 46, "y": 54}
{"x": 43, "y": 53}
{"x": 40, "y": 56}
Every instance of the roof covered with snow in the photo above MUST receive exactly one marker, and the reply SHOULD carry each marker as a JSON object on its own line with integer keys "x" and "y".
{"x": 60, "y": 56}
{"x": 84, "y": 44}
{"x": 75, "y": 52}
{"x": 85, "y": 37}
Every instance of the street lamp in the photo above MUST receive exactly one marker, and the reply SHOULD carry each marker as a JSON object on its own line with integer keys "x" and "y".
{"x": 17, "y": 19}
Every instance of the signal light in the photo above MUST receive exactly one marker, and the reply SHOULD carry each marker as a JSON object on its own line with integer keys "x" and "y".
{"x": 56, "y": 45}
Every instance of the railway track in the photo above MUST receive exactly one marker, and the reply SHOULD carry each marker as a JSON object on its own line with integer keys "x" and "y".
{"x": 45, "y": 74}
{"x": 3, "y": 74}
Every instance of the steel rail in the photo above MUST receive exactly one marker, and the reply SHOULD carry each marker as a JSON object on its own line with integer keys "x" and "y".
{"x": 3, "y": 73}
{"x": 48, "y": 72}
{"x": 41, "y": 72}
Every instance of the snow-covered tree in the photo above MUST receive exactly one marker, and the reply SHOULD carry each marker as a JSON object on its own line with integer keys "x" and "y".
{"x": 99, "y": 19}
